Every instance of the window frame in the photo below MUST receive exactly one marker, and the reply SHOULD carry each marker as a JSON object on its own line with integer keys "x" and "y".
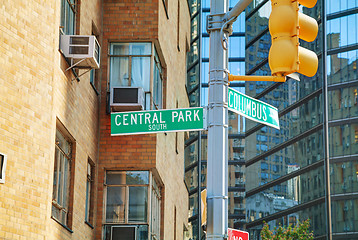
{"x": 155, "y": 64}
{"x": 90, "y": 182}
{"x": 154, "y": 190}
{"x": 65, "y": 18}
{"x": 2, "y": 167}
{"x": 65, "y": 187}
{"x": 126, "y": 205}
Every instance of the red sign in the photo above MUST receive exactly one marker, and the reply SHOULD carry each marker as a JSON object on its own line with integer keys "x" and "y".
{"x": 237, "y": 234}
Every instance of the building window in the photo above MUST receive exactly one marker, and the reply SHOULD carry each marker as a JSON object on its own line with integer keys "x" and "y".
{"x": 127, "y": 197}
{"x": 90, "y": 192}
{"x": 68, "y": 17}
{"x": 155, "y": 214}
{"x": 157, "y": 84}
{"x": 2, "y": 167}
{"x": 130, "y": 65}
{"x": 62, "y": 180}
{"x": 94, "y": 73}
{"x": 127, "y": 208}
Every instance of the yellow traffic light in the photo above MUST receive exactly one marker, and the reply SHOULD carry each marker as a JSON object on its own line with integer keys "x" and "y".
{"x": 287, "y": 25}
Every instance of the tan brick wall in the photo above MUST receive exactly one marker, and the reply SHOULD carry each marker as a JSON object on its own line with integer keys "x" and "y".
{"x": 170, "y": 165}
{"x": 34, "y": 92}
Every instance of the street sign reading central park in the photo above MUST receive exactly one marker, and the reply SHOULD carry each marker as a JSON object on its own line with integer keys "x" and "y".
{"x": 252, "y": 108}
{"x": 145, "y": 122}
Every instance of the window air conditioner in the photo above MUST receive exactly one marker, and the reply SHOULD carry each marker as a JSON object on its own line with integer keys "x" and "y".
{"x": 84, "y": 51}
{"x": 126, "y": 99}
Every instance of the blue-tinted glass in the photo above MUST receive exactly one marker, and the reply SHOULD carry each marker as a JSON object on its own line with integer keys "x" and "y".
{"x": 205, "y": 47}
{"x": 342, "y": 31}
{"x": 237, "y": 68}
{"x": 204, "y": 97}
{"x": 236, "y": 47}
{"x": 205, "y": 72}
{"x": 342, "y": 67}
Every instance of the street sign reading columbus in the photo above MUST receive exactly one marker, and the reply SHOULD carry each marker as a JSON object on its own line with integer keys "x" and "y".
{"x": 253, "y": 109}
{"x": 144, "y": 122}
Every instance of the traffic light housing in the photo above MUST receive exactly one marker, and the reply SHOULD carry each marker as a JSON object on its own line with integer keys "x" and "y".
{"x": 286, "y": 26}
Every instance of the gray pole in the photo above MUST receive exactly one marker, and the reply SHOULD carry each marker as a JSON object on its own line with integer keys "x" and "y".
{"x": 217, "y": 189}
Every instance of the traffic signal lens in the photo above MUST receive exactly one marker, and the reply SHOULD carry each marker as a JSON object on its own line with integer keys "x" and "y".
{"x": 308, "y": 27}
{"x": 308, "y": 62}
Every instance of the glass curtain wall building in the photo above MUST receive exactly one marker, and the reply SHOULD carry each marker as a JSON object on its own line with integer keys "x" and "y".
{"x": 196, "y": 142}
{"x": 308, "y": 168}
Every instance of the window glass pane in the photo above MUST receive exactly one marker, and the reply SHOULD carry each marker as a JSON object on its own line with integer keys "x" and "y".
{"x": 137, "y": 177}
{"x": 56, "y": 175}
{"x": 60, "y": 188}
{"x": 287, "y": 194}
{"x": 236, "y": 176}
{"x": 193, "y": 204}
{"x": 116, "y": 178}
{"x": 237, "y": 68}
{"x": 141, "y": 49}
{"x": 115, "y": 207}
{"x": 66, "y": 187}
{"x": 236, "y": 47}
{"x": 138, "y": 202}
{"x": 195, "y": 26}
{"x": 191, "y": 153}
{"x": 205, "y": 47}
{"x": 119, "y": 75}
{"x": 342, "y": 67}
{"x": 62, "y": 143}
{"x": 343, "y": 140}
{"x": 342, "y": 31}
{"x": 296, "y": 156}
{"x": 88, "y": 197}
{"x": 130, "y": 178}
{"x": 193, "y": 77}
{"x": 343, "y": 103}
{"x": 119, "y": 49}
{"x": 157, "y": 86}
{"x": 344, "y": 177}
{"x": 194, "y": 98}
{"x": 193, "y": 55}
{"x": 141, "y": 72}
{"x": 191, "y": 178}
{"x": 344, "y": 215}
{"x": 131, "y": 49}
{"x": 316, "y": 215}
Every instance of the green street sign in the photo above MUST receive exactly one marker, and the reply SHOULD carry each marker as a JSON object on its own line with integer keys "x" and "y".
{"x": 145, "y": 122}
{"x": 253, "y": 109}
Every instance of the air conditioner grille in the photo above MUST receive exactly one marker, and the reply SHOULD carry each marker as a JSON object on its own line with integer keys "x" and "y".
{"x": 125, "y": 95}
{"x": 78, "y": 50}
{"x": 79, "y": 40}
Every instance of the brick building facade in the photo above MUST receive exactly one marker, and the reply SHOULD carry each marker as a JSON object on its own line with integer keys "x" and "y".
{"x": 65, "y": 175}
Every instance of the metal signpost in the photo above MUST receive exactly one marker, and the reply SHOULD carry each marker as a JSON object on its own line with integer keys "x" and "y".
{"x": 253, "y": 109}
{"x": 217, "y": 167}
{"x": 145, "y": 122}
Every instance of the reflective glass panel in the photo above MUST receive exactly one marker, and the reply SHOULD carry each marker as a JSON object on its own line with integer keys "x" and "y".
{"x": 344, "y": 215}
{"x": 343, "y": 140}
